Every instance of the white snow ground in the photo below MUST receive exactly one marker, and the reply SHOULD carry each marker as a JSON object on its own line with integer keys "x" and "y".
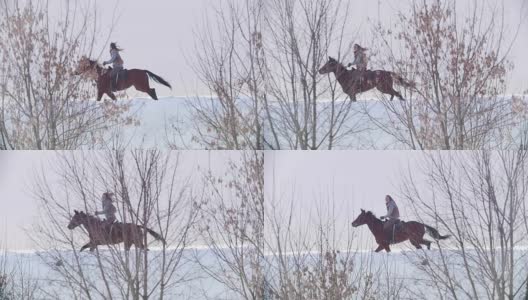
{"x": 399, "y": 265}
{"x": 157, "y": 120}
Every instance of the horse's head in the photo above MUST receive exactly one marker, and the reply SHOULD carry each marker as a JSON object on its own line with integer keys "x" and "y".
{"x": 78, "y": 218}
{"x": 364, "y": 217}
{"x": 85, "y": 65}
{"x": 330, "y": 66}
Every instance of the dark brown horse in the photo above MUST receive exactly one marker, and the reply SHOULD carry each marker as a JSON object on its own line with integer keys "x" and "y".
{"x": 412, "y": 231}
{"x": 354, "y": 82}
{"x": 100, "y": 234}
{"x": 134, "y": 77}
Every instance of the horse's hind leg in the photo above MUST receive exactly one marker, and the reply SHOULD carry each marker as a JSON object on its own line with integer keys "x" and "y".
{"x": 427, "y": 243}
{"x": 152, "y": 93}
{"x": 388, "y": 89}
{"x": 127, "y": 246}
{"x": 85, "y": 246}
{"x": 148, "y": 90}
{"x": 112, "y": 96}
{"x": 139, "y": 244}
{"x": 144, "y": 86}
{"x": 416, "y": 244}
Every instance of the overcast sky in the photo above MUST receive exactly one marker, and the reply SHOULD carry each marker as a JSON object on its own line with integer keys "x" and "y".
{"x": 160, "y": 36}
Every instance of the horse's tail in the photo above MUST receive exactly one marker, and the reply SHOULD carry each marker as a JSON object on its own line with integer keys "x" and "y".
{"x": 402, "y": 81}
{"x": 434, "y": 233}
{"x": 156, "y": 235}
{"x": 158, "y": 79}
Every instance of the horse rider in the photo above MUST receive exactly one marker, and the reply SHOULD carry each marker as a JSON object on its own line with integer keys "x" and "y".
{"x": 117, "y": 65}
{"x": 109, "y": 210}
{"x": 360, "y": 58}
{"x": 392, "y": 217}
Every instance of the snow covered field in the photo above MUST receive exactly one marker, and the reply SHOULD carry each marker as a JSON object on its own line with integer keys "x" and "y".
{"x": 398, "y": 267}
{"x": 171, "y": 121}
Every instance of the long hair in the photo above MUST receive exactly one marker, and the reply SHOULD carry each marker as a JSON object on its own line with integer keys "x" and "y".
{"x": 357, "y": 47}
{"x": 390, "y": 198}
{"x": 113, "y": 46}
{"x": 107, "y": 197}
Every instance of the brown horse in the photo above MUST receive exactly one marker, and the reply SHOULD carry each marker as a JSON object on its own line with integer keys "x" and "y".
{"x": 412, "y": 231}
{"x": 134, "y": 77}
{"x": 354, "y": 81}
{"x": 128, "y": 233}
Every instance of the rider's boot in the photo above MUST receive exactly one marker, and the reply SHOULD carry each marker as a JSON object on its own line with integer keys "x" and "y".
{"x": 388, "y": 235}
{"x": 113, "y": 84}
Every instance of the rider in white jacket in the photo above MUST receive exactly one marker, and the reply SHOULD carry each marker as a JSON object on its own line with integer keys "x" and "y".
{"x": 392, "y": 216}
{"x": 360, "y": 58}
{"x": 109, "y": 210}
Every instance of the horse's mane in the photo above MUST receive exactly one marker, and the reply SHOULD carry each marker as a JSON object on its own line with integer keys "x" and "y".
{"x": 372, "y": 214}
{"x": 94, "y": 62}
{"x": 340, "y": 64}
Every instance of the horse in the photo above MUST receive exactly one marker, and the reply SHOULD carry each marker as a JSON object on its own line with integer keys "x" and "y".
{"x": 354, "y": 81}
{"x": 412, "y": 231}
{"x": 134, "y": 77}
{"x": 127, "y": 233}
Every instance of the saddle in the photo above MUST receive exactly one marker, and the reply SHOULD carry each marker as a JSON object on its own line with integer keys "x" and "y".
{"x": 396, "y": 228}
{"x": 109, "y": 227}
{"x": 119, "y": 77}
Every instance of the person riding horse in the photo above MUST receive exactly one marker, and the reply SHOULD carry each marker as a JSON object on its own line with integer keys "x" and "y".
{"x": 392, "y": 217}
{"x": 360, "y": 58}
{"x": 361, "y": 61}
{"x": 117, "y": 65}
{"x": 109, "y": 210}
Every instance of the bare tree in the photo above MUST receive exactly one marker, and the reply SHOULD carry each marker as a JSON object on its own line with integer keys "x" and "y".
{"x": 229, "y": 58}
{"x": 313, "y": 256}
{"x": 232, "y": 226}
{"x": 460, "y": 65}
{"x": 305, "y": 110}
{"x": 260, "y": 60}
{"x": 16, "y": 280}
{"x": 149, "y": 192}
{"x": 42, "y": 102}
{"x": 480, "y": 198}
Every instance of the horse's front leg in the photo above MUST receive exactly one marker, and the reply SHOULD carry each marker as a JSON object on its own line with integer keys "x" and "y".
{"x": 111, "y": 95}
{"x": 99, "y": 95}
{"x": 352, "y": 97}
{"x": 380, "y": 247}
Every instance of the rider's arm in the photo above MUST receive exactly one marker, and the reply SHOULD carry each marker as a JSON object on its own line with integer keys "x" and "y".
{"x": 364, "y": 57}
{"x": 112, "y": 59}
{"x": 390, "y": 210}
